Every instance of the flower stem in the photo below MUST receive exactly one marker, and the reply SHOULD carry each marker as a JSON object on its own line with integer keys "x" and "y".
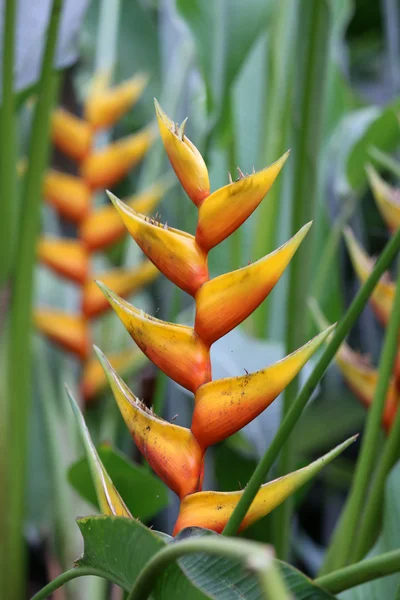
{"x": 342, "y": 548}
{"x": 256, "y": 557}
{"x": 291, "y": 418}
{"x": 69, "y": 576}
{"x": 361, "y": 572}
{"x": 19, "y": 360}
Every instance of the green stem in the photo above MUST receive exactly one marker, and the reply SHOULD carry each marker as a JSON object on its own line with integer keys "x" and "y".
{"x": 291, "y": 418}
{"x": 373, "y": 509}
{"x": 257, "y": 557}
{"x": 341, "y": 550}
{"x": 385, "y": 161}
{"x": 313, "y": 38}
{"x": 19, "y": 366}
{"x": 361, "y": 572}
{"x": 69, "y": 576}
{"x": 8, "y": 129}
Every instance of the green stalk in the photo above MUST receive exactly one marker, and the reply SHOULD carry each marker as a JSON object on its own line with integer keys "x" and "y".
{"x": 69, "y": 576}
{"x": 19, "y": 367}
{"x": 279, "y": 93}
{"x": 370, "y": 522}
{"x": 361, "y": 572}
{"x": 341, "y": 550}
{"x": 8, "y": 129}
{"x": 293, "y": 415}
{"x": 255, "y": 557}
{"x": 313, "y": 38}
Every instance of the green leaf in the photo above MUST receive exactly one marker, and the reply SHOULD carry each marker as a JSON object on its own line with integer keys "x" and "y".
{"x": 227, "y": 579}
{"x": 121, "y": 547}
{"x": 143, "y": 493}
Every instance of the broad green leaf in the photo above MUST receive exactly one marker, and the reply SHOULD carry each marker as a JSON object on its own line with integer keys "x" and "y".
{"x": 386, "y": 587}
{"x": 143, "y": 493}
{"x": 227, "y": 579}
{"x": 122, "y": 547}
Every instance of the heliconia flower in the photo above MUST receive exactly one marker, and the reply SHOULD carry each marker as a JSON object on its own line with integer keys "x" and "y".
{"x": 94, "y": 380}
{"x": 227, "y": 208}
{"x": 174, "y": 252}
{"x": 185, "y": 159}
{"x": 212, "y": 510}
{"x": 104, "y": 226}
{"x": 382, "y": 297}
{"x": 69, "y": 258}
{"x": 69, "y": 331}
{"x": 224, "y": 406}
{"x": 110, "y": 502}
{"x": 71, "y": 135}
{"x": 172, "y": 451}
{"x": 103, "y": 168}
{"x": 175, "y": 349}
{"x": 104, "y": 107}
{"x": 224, "y": 302}
{"x": 123, "y": 281}
{"x": 387, "y": 198}
{"x": 68, "y": 194}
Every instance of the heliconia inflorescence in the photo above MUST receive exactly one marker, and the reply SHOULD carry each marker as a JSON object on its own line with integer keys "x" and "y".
{"x": 97, "y": 228}
{"x": 221, "y": 407}
{"x": 358, "y": 372}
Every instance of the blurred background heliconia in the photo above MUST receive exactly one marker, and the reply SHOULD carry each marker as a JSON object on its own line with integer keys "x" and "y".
{"x": 254, "y": 78}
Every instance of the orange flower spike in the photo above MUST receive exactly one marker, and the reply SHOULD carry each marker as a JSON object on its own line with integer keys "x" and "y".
{"x": 387, "y": 198}
{"x": 68, "y": 194}
{"x": 104, "y": 107}
{"x": 94, "y": 380}
{"x": 211, "y": 510}
{"x": 382, "y": 297}
{"x": 228, "y": 207}
{"x": 66, "y": 257}
{"x": 175, "y": 349}
{"x": 224, "y": 406}
{"x": 104, "y": 227}
{"x": 123, "y": 281}
{"x": 110, "y": 502}
{"x": 71, "y": 135}
{"x": 171, "y": 451}
{"x": 174, "y": 252}
{"x": 103, "y": 168}
{"x": 184, "y": 157}
{"x": 69, "y": 331}
{"x": 224, "y": 302}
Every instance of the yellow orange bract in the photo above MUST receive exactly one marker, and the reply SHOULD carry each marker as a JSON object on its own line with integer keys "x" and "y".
{"x": 68, "y": 194}
{"x": 66, "y": 257}
{"x": 70, "y": 331}
{"x": 387, "y": 199}
{"x": 71, "y": 135}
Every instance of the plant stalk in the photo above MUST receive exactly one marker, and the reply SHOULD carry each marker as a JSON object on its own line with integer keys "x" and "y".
{"x": 293, "y": 415}
{"x": 342, "y": 548}
{"x": 19, "y": 366}
{"x": 361, "y": 572}
{"x": 69, "y": 576}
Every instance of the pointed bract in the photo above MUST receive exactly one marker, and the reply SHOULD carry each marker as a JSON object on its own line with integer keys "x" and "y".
{"x": 175, "y": 253}
{"x": 109, "y": 500}
{"x": 104, "y": 107}
{"x": 228, "y": 207}
{"x": 69, "y": 195}
{"x": 175, "y": 349}
{"x": 94, "y": 380}
{"x": 104, "y": 226}
{"x": 71, "y": 135}
{"x": 224, "y": 406}
{"x": 387, "y": 199}
{"x": 184, "y": 157}
{"x": 122, "y": 281}
{"x": 66, "y": 257}
{"x": 171, "y": 451}
{"x": 212, "y": 510}
{"x": 103, "y": 168}
{"x": 224, "y": 302}
{"x": 382, "y": 297}
{"x": 69, "y": 331}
